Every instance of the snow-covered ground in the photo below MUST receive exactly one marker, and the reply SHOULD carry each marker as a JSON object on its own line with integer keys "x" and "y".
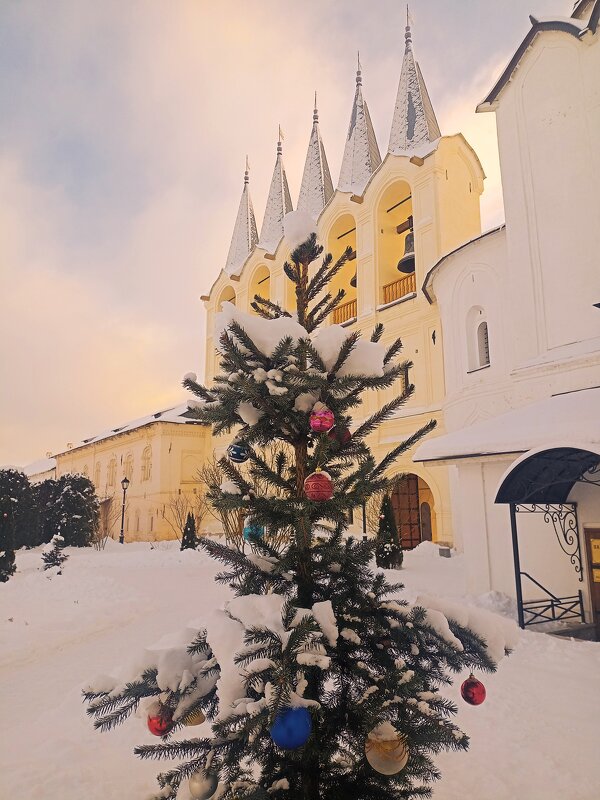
{"x": 535, "y": 737}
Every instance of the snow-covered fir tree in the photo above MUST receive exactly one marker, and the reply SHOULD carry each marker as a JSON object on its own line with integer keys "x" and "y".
{"x": 388, "y": 553}
{"x": 188, "y": 539}
{"x": 317, "y": 680}
{"x": 7, "y": 546}
{"x": 53, "y": 554}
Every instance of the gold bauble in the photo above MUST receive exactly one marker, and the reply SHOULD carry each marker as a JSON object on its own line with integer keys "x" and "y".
{"x": 388, "y": 756}
{"x": 195, "y": 718}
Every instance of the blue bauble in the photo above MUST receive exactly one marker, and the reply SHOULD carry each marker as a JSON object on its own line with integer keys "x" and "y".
{"x": 253, "y": 530}
{"x": 291, "y": 728}
{"x": 238, "y": 452}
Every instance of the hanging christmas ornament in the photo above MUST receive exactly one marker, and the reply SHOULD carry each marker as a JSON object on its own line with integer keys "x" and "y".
{"x": 386, "y": 749}
{"x": 161, "y": 721}
{"x": 340, "y": 434}
{"x": 473, "y": 691}
{"x": 195, "y": 718}
{"x": 202, "y": 785}
{"x": 291, "y": 728}
{"x": 318, "y": 486}
{"x": 321, "y": 419}
{"x": 252, "y": 530}
{"x": 238, "y": 451}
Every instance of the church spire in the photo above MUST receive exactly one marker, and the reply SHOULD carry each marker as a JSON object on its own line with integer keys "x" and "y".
{"x": 245, "y": 235}
{"x": 414, "y": 120}
{"x": 316, "y": 188}
{"x": 279, "y": 203}
{"x": 361, "y": 154}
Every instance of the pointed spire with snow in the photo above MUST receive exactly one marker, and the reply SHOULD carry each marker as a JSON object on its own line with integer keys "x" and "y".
{"x": 245, "y": 235}
{"x": 316, "y": 188}
{"x": 279, "y": 203}
{"x": 414, "y": 120}
{"x": 361, "y": 154}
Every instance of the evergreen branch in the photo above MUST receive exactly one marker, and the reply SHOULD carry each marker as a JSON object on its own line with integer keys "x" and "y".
{"x": 377, "y": 332}
{"x": 345, "y": 350}
{"x": 403, "y": 447}
{"x": 393, "y": 350}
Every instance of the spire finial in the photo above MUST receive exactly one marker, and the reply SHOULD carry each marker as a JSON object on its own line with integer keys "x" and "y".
{"x": 358, "y": 71}
{"x": 279, "y": 143}
{"x": 407, "y": 32}
{"x": 316, "y": 110}
{"x": 246, "y": 173}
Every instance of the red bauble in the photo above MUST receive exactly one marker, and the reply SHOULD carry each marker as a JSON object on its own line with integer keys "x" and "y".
{"x": 473, "y": 691}
{"x": 340, "y": 435}
{"x": 161, "y": 723}
{"x": 318, "y": 486}
{"x": 322, "y": 420}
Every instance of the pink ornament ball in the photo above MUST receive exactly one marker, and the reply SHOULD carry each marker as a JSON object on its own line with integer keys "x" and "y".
{"x": 322, "y": 420}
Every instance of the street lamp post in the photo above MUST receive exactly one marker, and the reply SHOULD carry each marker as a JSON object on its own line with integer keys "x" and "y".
{"x": 125, "y": 485}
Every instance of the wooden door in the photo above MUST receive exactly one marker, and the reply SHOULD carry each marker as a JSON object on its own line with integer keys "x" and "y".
{"x": 405, "y": 502}
{"x": 592, "y": 545}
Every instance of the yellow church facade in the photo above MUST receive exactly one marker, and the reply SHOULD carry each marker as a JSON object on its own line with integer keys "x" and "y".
{"x": 161, "y": 456}
{"x": 399, "y": 215}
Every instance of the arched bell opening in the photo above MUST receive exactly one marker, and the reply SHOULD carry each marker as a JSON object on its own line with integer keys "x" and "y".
{"x": 260, "y": 285}
{"x": 413, "y": 504}
{"x": 341, "y": 236}
{"x": 395, "y": 243}
{"x": 226, "y": 296}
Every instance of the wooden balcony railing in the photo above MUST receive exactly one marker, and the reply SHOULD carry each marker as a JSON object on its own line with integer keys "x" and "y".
{"x": 400, "y": 288}
{"x": 344, "y": 312}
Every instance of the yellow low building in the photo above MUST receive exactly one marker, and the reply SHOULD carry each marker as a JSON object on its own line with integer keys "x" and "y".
{"x": 399, "y": 215}
{"x": 161, "y": 456}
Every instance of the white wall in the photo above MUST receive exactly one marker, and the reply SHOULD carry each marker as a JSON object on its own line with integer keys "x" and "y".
{"x": 548, "y": 123}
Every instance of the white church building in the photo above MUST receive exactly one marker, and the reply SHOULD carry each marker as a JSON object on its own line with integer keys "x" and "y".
{"x": 520, "y": 310}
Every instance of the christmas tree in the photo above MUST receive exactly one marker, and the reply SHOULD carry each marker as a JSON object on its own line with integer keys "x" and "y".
{"x": 53, "y": 554}
{"x": 388, "y": 553}
{"x": 188, "y": 540}
{"x": 317, "y": 681}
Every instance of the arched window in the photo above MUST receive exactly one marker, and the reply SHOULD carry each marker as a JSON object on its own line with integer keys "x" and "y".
{"x": 112, "y": 472}
{"x": 128, "y": 469}
{"x": 227, "y": 296}
{"x": 483, "y": 344}
{"x": 478, "y": 346}
{"x": 147, "y": 463}
{"x": 97, "y": 473}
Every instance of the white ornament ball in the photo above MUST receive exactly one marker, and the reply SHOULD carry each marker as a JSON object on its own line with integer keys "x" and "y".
{"x": 386, "y": 750}
{"x": 297, "y": 227}
{"x": 203, "y": 785}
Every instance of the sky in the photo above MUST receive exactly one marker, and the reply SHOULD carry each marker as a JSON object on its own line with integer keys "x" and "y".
{"x": 123, "y": 135}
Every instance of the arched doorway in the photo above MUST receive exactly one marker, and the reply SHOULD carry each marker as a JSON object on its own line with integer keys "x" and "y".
{"x": 412, "y": 501}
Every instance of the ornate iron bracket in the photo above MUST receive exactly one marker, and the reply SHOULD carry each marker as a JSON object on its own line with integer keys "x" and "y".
{"x": 563, "y": 517}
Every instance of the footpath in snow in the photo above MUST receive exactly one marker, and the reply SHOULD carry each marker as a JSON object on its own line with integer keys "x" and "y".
{"x": 535, "y": 737}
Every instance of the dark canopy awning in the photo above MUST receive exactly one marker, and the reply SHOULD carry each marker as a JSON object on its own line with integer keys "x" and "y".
{"x": 546, "y": 476}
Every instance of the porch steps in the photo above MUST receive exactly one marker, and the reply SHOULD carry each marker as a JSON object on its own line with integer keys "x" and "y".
{"x": 587, "y": 632}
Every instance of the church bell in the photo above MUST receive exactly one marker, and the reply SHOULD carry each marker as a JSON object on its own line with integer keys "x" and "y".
{"x": 407, "y": 262}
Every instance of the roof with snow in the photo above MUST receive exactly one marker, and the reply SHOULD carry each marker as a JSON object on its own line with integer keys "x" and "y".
{"x": 414, "y": 120}
{"x": 245, "y": 235}
{"x": 316, "y": 188}
{"x": 575, "y": 25}
{"x": 361, "y": 153}
{"x": 566, "y": 419}
{"x": 182, "y": 414}
{"x": 39, "y": 466}
{"x": 279, "y": 202}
